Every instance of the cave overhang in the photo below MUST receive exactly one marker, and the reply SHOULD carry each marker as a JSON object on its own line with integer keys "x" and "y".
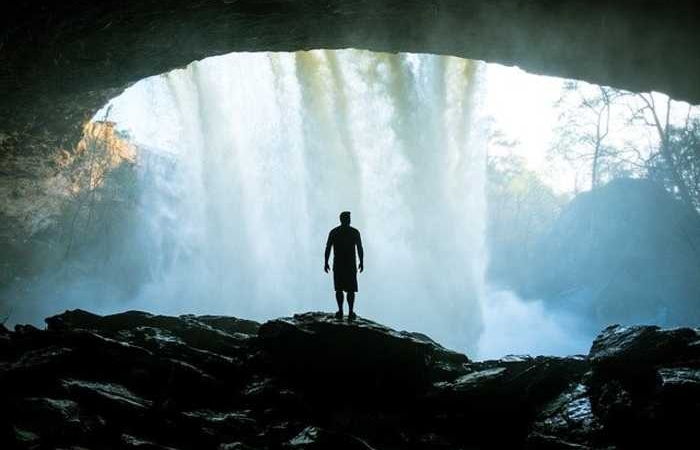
{"x": 61, "y": 61}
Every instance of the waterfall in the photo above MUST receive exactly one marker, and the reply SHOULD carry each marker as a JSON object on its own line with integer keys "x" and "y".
{"x": 250, "y": 157}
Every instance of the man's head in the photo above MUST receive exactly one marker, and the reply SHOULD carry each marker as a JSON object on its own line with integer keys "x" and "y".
{"x": 345, "y": 218}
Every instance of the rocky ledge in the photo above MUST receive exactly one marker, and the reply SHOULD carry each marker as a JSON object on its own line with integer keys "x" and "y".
{"x": 140, "y": 381}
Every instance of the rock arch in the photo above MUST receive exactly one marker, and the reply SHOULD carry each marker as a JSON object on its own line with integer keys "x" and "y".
{"x": 60, "y": 61}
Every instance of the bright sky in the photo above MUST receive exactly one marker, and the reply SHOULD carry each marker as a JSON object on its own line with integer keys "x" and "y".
{"x": 522, "y": 105}
{"x": 523, "y": 108}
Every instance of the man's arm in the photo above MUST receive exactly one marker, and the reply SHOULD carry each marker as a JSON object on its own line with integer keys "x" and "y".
{"x": 327, "y": 255}
{"x": 360, "y": 252}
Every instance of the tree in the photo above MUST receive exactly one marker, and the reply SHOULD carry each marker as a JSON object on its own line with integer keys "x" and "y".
{"x": 102, "y": 186}
{"x": 599, "y": 129}
{"x": 585, "y": 126}
{"x": 672, "y": 139}
{"x": 521, "y": 209}
{"x": 678, "y": 166}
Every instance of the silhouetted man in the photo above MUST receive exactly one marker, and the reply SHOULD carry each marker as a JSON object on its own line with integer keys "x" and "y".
{"x": 344, "y": 239}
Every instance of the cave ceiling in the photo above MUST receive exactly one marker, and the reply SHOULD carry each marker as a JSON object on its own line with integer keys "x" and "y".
{"x": 61, "y": 61}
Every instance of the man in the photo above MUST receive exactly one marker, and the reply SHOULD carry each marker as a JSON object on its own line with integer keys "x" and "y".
{"x": 344, "y": 239}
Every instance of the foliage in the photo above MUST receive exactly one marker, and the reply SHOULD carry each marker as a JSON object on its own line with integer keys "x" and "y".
{"x": 606, "y": 133}
{"x": 103, "y": 189}
{"x": 583, "y": 135}
{"x": 521, "y": 208}
{"x": 684, "y": 149}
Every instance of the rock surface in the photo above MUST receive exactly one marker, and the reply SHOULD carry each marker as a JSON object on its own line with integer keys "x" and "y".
{"x": 626, "y": 252}
{"x": 61, "y": 61}
{"x": 136, "y": 380}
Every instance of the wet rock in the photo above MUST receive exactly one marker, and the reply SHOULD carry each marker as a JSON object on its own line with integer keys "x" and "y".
{"x": 136, "y": 443}
{"x": 371, "y": 362}
{"x": 627, "y": 349}
{"x": 36, "y": 369}
{"x": 26, "y": 439}
{"x": 168, "y": 345}
{"x": 235, "y": 446}
{"x": 317, "y": 438}
{"x": 680, "y": 380}
{"x": 231, "y": 324}
{"x": 228, "y": 422}
{"x": 211, "y": 333}
{"x": 56, "y": 421}
{"x": 567, "y": 422}
{"x": 510, "y": 391}
{"x": 137, "y": 380}
{"x": 106, "y": 396}
{"x": 71, "y": 320}
{"x": 644, "y": 384}
{"x": 25, "y": 329}
{"x": 274, "y": 397}
{"x": 522, "y": 381}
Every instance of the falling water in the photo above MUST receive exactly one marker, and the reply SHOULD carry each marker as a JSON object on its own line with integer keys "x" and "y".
{"x": 251, "y": 156}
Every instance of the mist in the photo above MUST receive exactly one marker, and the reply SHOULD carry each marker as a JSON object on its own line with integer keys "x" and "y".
{"x": 245, "y": 161}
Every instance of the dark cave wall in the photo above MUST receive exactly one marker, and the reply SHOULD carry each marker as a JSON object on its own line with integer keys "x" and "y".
{"x": 60, "y": 61}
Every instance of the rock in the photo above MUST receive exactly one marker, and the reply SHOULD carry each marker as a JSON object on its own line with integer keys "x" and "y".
{"x": 211, "y": 333}
{"x": 319, "y": 353}
{"x": 25, "y": 329}
{"x": 629, "y": 348}
{"x": 235, "y": 446}
{"x": 621, "y": 253}
{"x": 567, "y": 422}
{"x": 644, "y": 384}
{"x": 135, "y": 443}
{"x": 230, "y": 424}
{"x": 680, "y": 380}
{"x": 475, "y": 381}
{"x": 230, "y": 324}
{"x": 524, "y": 380}
{"x": 510, "y": 391}
{"x": 36, "y": 369}
{"x": 56, "y": 420}
{"x": 44, "y": 95}
{"x": 26, "y": 439}
{"x": 141, "y": 381}
{"x": 317, "y": 438}
{"x": 6, "y": 348}
{"x": 626, "y": 362}
{"x": 106, "y": 396}
{"x": 74, "y": 319}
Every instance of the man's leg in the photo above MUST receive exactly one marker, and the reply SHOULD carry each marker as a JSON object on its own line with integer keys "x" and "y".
{"x": 351, "y": 304}
{"x": 339, "y": 299}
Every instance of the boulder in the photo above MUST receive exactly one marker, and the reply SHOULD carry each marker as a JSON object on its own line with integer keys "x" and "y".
{"x": 644, "y": 384}
{"x": 511, "y": 391}
{"x": 212, "y": 333}
{"x": 366, "y": 361}
{"x": 567, "y": 422}
{"x": 630, "y": 348}
{"x": 625, "y": 252}
{"x": 142, "y": 381}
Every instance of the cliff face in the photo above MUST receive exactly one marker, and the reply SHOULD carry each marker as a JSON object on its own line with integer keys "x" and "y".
{"x": 46, "y": 190}
{"x": 136, "y": 380}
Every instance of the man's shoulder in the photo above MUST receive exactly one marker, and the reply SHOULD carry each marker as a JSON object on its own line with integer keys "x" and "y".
{"x": 354, "y": 230}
